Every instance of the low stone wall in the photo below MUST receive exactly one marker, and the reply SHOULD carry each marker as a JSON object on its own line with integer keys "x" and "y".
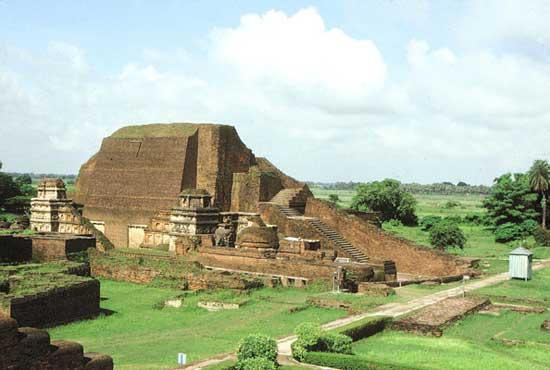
{"x": 31, "y": 349}
{"x": 380, "y": 245}
{"x": 236, "y": 259}
{"x": 170, "y": 271}
{"x": 432, "y": 319}
{"x": 15, "y": 249}
{"x": 52, "y": 247}
{"x": 57, "y": 306}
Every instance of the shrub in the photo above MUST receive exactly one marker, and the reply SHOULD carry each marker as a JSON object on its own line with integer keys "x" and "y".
{"x": 542, "y": 237}
{"x": 255, "y": 363}
{"x": 474, "y": 219}
{"x": 254, "y": 346}
{"x": 429, "y": 221}
{"x": 395, "y": 223}
{"x": 509, "y": 232}
{"x": 453, "y": 219}
{"x": 451, "y": 204}
{"x": 308, "y": 333}
{"x": 447, "y": 234}
{"x": 337, "y": 343}
{"x": 337, "y": 361}
{"x": 312, "y": 338}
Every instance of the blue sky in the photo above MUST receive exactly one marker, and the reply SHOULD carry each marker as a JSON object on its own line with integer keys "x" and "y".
{"x": 421, "y": 91}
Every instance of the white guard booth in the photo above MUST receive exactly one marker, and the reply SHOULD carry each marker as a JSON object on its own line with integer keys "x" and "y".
{"x": 520, "y": 263}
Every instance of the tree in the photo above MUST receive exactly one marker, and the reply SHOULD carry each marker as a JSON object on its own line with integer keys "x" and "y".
{"x": 446, "y": 234}
{"x": 333, "y": 199}
{"x": 539, "y": 180}
{"x": 462, "y": 184}
{"x": 23, "y": 180}
{"x": 8, "y": 188}
{"x": 511, "y": 205}
{"x": 388, "y": 198}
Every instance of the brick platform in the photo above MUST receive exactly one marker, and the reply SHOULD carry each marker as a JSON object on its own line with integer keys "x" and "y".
{"x": 432, "y": 319}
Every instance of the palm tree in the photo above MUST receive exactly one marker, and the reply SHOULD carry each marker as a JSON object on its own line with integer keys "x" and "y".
{"x": 539, "y": 180}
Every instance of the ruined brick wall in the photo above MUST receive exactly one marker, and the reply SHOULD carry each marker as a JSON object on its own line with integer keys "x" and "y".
{"x": 77, "y": 301}
{"x": 251, "y": 188}
{"x": 241, "y": 260}
{"x": 47, "y": 248}
{"x": 31, "y": 349}
{"x": 15, "y": 249}
{"x": 220, "y": 154}
{"x": 378, "y": 244}
{"x": 129, "y": 180}
{"x": 177, "y": 272}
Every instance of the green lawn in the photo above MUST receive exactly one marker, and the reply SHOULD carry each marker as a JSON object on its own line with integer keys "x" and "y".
{"x": 139, "y": 336}
{"x": 538, "y": 288}
{"x": 466, "y": 345}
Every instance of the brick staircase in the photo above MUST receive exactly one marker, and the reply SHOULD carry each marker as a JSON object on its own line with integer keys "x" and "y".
{"x": 29, "y": 348}
{"x": 294, "y": 198}
{"x": 291, "y": 202}
{"x": 341, "y": 243}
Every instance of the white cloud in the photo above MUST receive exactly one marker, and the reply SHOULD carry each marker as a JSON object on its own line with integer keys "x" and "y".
{"x": 319, "y": 103}
{"x": 299, "y": 56}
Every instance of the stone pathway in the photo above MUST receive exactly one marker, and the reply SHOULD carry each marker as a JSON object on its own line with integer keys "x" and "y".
{"x": 390, "y": 309}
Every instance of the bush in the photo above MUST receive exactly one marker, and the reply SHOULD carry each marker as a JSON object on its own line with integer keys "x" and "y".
{"x": 451, "y": 204}
{"x": 256, "y": 363}
{"x": 337, "y": 343}
{"x": 542, "y": 237}
{"x": 395, "y": 223}
{"x": 474, "y": 219}
{"x": 337, "y": 361}
{"x": 509, "y": 232}
{"x": 447, "y": 234}
{"x": 429, "y": 221}
{"x": 254, "y": 346}
{"x": 312, "y": 338}
{"x": 453, "y": 219}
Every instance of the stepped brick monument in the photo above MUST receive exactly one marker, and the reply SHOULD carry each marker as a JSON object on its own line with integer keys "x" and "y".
{"x": 197, "y": 187}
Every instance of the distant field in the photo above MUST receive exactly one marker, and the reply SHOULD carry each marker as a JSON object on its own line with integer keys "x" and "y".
{"x": 480, "y": 241}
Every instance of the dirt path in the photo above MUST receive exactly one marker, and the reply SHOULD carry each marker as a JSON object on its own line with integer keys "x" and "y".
{"x": 390, "y": 309}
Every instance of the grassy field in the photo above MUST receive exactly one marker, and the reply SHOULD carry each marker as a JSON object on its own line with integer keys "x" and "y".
{"x": 466, "y": 345}
{"x": 475, "y": 342}
{"x": 140, "y": 336}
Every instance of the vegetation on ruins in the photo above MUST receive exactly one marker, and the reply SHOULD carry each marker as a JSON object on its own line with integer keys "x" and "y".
{"x": 539, "y": 180}
{"x": 512, "y": 207}
{"x": 388, "y": 198}
{"x": 446, "y": 234}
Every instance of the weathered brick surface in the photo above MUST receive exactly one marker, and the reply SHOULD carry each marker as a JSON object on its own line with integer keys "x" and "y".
{"x": 15, "y": 249}
{"x": 377, "y": 244}
{"x": 432, "y": 319}
{"x": 30, "y": 349}
{"x": 188, "y": 274}
{"x": 254, "y": 261}
{"x": 47, "y": 248}
{"x": 57, "y": 306}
